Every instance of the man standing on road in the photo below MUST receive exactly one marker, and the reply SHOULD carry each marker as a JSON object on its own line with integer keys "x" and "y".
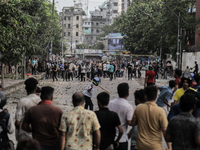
{"x": 151, "y": 121}
{"x": 79, "y": 127}
{"x": 44, "y": 119}
{"x": 125, "y": 112}
{"x": 111, "y": 70}
{"x": 108, "y": 120}
{"x": 71, "y": 68}
{"x": 23, "y": 105}
{"x": 129, "y": 67}
{"x": 150, "y": 78}
{"x": 196, "y": 68}
{"x": 184, "y": 130}
{"x": 165, "y": 95}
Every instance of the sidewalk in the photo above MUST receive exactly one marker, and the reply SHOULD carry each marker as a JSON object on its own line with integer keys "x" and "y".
{"x": 11, "y": 85}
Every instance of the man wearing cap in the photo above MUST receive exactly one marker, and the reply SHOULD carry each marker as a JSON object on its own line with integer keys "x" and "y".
{"x": 88, "y": 92}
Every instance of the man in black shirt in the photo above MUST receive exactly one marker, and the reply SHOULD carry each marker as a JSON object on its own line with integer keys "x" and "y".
{"x": 108, "y": 120}
{"x": 66, "y": 71}
{"x": 54, "y": 70}
{"x": 184, "y": 130}
{"x": 129, "y": 67}
{"x": 196, "y": 68}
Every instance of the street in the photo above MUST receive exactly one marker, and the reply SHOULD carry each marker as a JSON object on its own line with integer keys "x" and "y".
{"x": 63, "y": 92}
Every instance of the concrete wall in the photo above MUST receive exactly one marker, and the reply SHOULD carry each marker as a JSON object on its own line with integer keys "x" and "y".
{"x": 188, "y": 59}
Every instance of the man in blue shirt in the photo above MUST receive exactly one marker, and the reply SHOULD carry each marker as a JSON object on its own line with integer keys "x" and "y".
{"x": 62, "y": 69}
{"x": 111, "y": 69}
{"x": 165, "y": 95}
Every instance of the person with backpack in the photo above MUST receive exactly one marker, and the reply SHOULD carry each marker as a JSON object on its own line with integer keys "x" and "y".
{"x": 6, "y": 125}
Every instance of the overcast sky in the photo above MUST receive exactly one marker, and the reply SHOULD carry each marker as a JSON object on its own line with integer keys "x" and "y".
{"x": 91, "y": 6}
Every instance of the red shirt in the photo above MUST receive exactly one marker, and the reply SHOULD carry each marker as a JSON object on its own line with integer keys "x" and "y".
{"x": 151, "y": 75}
{"x": 178, "y": 80}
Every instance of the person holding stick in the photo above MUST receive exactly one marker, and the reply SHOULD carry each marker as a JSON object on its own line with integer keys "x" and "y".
{"x": 88, "y": 92}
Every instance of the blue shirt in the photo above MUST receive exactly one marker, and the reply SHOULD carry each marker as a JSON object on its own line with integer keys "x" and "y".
{"x": 111, "y": 68}
{"x": 175, "y": 110}
{"x": 165, "y": 93}
{"x": 196, "y": 86}
{"x": 62, "y": 66}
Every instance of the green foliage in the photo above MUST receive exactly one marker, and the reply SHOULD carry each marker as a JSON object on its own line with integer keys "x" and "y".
{"x": 99, "y": 45}
{"x": 150, "y": 24}
{"x": 26, "y": 27}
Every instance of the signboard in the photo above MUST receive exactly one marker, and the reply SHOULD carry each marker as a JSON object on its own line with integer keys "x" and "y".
{"x": 88, "y": 51}
{"x": 126, "y": 52}
{"x": 115, "y": 35}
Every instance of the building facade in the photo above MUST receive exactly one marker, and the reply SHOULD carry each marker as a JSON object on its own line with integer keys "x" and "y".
{"x": 98, "y": 20}
{"x": 87, "y": 31}
{"x": 71, "y": 21}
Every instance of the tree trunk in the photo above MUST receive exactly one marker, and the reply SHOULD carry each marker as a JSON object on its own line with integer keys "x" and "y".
{"x": 16, "y": 71}
{"x": 2, "y": 76}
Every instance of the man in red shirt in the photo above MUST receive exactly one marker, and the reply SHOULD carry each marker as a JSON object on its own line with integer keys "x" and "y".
{"x": 177, "y": 75}
{"x": 44, "y": 119}
{"x": 150, "y": 77}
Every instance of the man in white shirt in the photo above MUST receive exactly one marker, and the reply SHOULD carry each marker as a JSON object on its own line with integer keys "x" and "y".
{"x": 124, "y": 111}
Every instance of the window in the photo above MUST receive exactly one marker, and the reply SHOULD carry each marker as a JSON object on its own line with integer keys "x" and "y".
{"x": 88, "y": 23}
{"x": 86, "y": 28}
{"x": 64, "y": 25}
{"x": 92, "y": 30}
{"x": 68, "y": 25}
{"x": 65, "y": 17}
{"x": 68, "y": 18}
{"x": 97, "y": 31}
{"x": 76, "y": 25}
{"x": 86, "y": 38}
{"x": 77, "y": 17}
{"x": 68, "y": 33}
{"x": 114, "y": 11}
{"x": 76, "y": 33}
{"x": 85, "y": 23}
{"x": 64, "y": 33}
{"x": 115, "y": 4}
{"x": 76, "y": 41}
{"x": 97, "y": 23}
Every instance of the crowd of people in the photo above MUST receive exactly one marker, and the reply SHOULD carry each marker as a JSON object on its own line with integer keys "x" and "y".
{"x": 174, "y": 114}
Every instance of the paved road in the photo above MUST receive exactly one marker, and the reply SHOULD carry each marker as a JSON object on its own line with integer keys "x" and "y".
{"x": 64, "y": 90}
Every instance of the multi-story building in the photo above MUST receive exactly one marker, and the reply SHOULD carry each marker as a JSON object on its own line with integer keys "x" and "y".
{"x": 98, "y": 20}
{"x": 87, "y": 31}
{"x": 71, "y": 22}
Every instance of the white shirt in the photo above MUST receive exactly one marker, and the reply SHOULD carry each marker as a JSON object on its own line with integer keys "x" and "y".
{"x": 104, "y": 67}
{"x": 125, "y": 112}
{"x": 89, "y": 94}
{"x": 22, "y": 107}
{"x": 83, "y": 69}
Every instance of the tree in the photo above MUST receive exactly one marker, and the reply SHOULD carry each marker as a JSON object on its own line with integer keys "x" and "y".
{"x": 99, "y": 45}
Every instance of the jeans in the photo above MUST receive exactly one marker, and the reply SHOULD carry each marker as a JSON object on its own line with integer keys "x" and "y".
{"x": 47, "y": 147}
{"x": 111, "y": 76}
{"x": 54, "y": 76}
{"x": 88, "y": 102}
{"x": 122, "y": 146}
{"x": 82, "y": 78}
{"x": 129, "y": 75}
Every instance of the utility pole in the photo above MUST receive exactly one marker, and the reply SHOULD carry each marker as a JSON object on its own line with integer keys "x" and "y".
{"x": 52, "y": 37}
{"x": 178, "y": 41}
{"x": 62, "y": 30}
